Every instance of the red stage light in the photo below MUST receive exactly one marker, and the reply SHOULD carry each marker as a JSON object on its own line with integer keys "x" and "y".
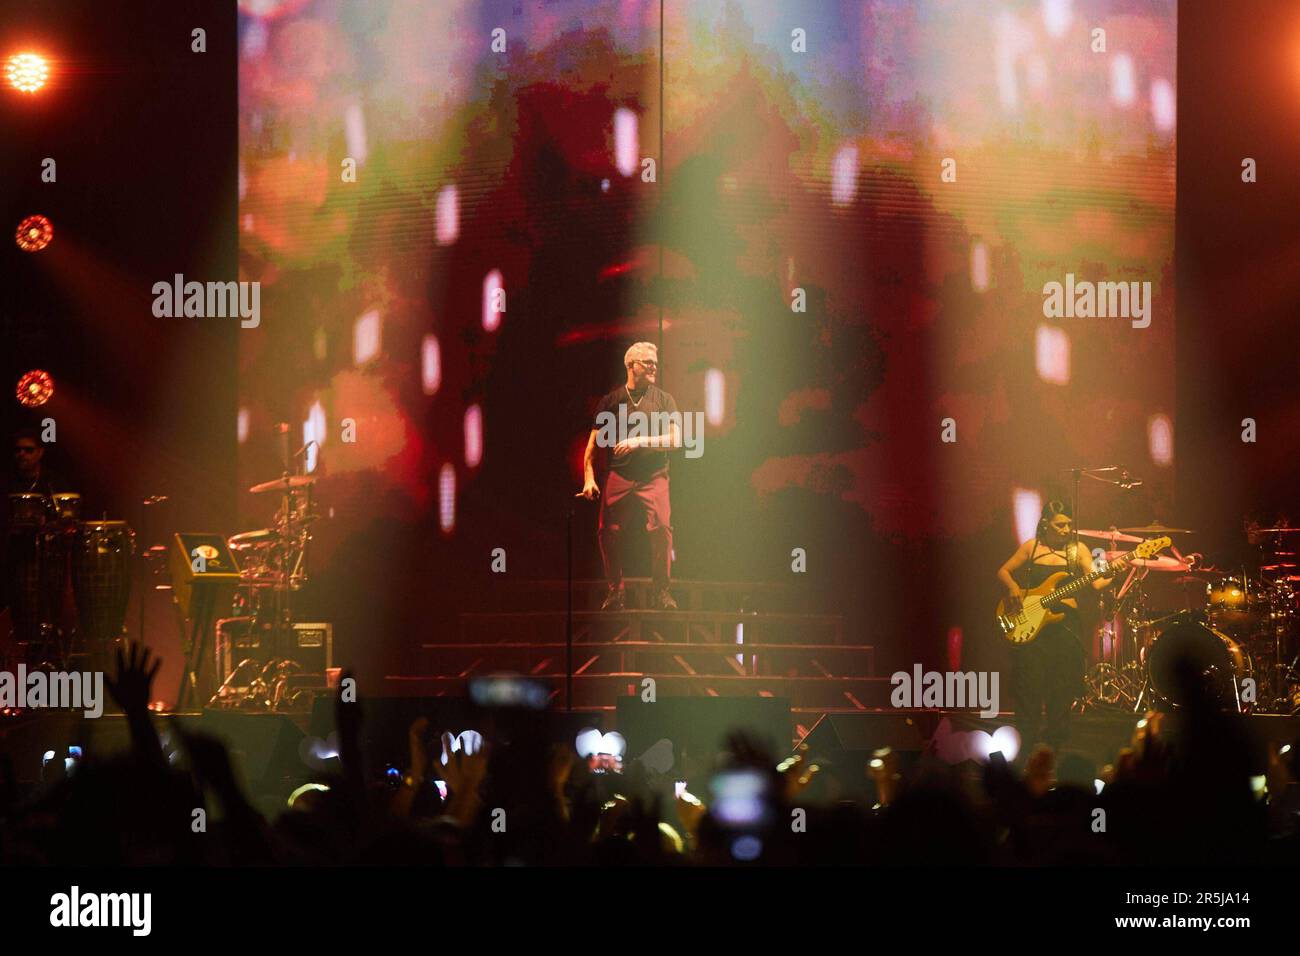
{"x": 34, "y": 233}
{"x": 27, "y": 72}
{"x": 35, "y": 388}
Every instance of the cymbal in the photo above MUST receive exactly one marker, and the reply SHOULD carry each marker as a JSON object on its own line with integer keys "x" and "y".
{"x": 1156, "y": 528}
{"x": 1273, "y": 530}
{"x": 1111, "y": 535}
{"x": 287, "y": 483}
{"x": 253, "y": 539}
{"x": 1161, "y": 562}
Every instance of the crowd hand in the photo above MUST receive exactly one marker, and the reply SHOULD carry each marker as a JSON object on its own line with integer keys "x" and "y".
{"x": 1152, "y": 764}
{"x": 612, "y": 814}
{"x": 133, "y": 683}
{"x": 747, "y": 751}
{"x": 691, "y": 812}
{"x": 417, "y": 763}
{"x": 131, "y": 687}
{"x": 558, "y": 770}
{"x": 883, "y": 770}
{"x": 347, "y": 719}
{"x": 1123, "y": 769}
{"x": 211, "y": 765}
{"x": 463, "y": 773}
{"x": 1278, "y": 773}
{"x": 796, "y": 773}
{"x": 634, "y": 818}
{"x": 1040, "y": 771}
{"x": 1145, "y": 760}
{"x": 1148, "y": 748}
{"x": 418, "y": 759}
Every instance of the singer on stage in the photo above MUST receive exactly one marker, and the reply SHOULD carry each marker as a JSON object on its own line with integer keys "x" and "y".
{"x": 638, "y": 476}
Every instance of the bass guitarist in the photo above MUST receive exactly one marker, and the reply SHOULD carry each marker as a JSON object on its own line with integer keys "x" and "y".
{"x": 1047, "y": 673}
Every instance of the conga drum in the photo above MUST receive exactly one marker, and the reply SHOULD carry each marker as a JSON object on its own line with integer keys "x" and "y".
{"x": 27, "y": 510}
{"x": 28, "y": 579}
{"x": 101, "y": 577}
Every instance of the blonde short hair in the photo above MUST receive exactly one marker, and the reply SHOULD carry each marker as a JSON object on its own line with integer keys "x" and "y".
{"x": 639, "y": 351}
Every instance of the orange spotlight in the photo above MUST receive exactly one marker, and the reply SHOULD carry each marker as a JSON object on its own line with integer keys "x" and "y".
{"x": 34, "y": 233}
{"x": 35, "y": 388}
{"x": 27, "y": 72}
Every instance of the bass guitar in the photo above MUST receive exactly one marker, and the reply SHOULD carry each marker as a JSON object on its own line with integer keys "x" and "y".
{"x": 1022, "y": 625}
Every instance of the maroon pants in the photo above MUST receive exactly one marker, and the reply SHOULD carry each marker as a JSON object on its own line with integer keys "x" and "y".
{"x": 621, "y": 495}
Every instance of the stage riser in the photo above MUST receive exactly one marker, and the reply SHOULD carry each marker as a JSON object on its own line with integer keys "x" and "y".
{"x": 607, "y": 658}
{"x": 690, "y": 595}
{"x": 598, "y": 690}
{"x": 673, "y": 626}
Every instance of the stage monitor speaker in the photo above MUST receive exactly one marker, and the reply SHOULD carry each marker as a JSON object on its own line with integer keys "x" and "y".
{"x": 264, "y": 750}
{"x": 683, "y": 736}
{"x": 310, "y": 646}
{"x": 313, "y": 647}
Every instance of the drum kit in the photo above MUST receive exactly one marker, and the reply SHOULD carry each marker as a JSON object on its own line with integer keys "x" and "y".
{"x": 273, "y": 568}
{"x": 1174, "y": 618}
{"x": 48, "y": 547}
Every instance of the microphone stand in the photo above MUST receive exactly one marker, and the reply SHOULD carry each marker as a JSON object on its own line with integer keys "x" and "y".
{"x": 568, "y": 610}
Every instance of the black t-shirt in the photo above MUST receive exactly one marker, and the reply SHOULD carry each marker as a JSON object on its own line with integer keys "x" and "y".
{"x": 618, "y": 417}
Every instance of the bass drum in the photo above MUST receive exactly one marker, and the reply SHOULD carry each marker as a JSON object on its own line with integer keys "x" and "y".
{"x": 1188, "y": 648}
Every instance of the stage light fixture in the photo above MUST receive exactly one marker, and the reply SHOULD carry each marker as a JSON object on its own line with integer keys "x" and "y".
{"x": 35, "y": 388}
{"x": 447, "y": 498}
{"x": 473, "y": 436}
{"x": 27, "y": 72}
{"x": 430, "y": 365}
{"x": 34, "y": 233}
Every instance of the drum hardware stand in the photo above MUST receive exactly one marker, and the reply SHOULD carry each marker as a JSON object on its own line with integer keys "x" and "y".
{"x": 200, "y": 627}
{"x": 1107, "y": 684}
{"x": 285, "y": 565}
{"x": 267, "y": 688}
{"x": 1143, "y": 691}
{"x": 1116, "y": 681}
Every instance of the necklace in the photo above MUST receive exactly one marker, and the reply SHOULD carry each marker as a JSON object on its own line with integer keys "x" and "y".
{"x": 637, "y": 403}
